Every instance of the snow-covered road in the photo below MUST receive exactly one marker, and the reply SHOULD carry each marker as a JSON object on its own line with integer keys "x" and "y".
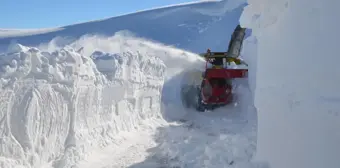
{"x": 129, "y": 148}
{"x": 225, "y": 137}
{"x": 218, "y": 139}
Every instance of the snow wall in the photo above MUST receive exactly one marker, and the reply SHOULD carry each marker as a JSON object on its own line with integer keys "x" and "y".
{"x": 297, "y": 81}
{"x": 57, "y": 105}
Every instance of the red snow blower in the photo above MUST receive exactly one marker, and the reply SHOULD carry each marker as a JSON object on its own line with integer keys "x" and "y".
{"x": 216, "y": 85}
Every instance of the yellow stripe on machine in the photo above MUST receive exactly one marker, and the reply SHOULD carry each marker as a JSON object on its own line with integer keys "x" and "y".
{"x": 215, "y": 54}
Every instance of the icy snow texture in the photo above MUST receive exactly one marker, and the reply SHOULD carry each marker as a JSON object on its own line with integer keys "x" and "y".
{"x": 297, "y": 81}
{"x": 55, "y": 106}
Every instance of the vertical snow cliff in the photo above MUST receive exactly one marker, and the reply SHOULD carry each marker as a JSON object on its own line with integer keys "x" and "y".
{"x": 297, "y": 81}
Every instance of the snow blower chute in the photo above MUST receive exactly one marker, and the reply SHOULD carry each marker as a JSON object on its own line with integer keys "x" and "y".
{"x": 216, "y": 87}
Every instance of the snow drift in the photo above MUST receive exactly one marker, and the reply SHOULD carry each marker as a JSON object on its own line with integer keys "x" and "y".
{"x": 297, "y": 81}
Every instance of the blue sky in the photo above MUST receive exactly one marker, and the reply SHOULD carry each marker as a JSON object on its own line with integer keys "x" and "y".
{"x": 24, "y": 14}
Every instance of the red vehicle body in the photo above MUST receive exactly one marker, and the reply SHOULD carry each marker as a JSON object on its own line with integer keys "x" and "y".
{"x": 216, "y": 88}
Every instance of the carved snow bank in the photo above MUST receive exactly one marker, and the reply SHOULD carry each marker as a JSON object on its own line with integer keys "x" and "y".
{"x": 56, "y": 106}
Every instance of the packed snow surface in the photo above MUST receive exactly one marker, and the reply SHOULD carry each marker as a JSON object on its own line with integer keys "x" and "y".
{"x": 297, "y": 81}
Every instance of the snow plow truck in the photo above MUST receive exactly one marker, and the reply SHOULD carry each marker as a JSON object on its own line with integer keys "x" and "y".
{"x": 216, "y": 86}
